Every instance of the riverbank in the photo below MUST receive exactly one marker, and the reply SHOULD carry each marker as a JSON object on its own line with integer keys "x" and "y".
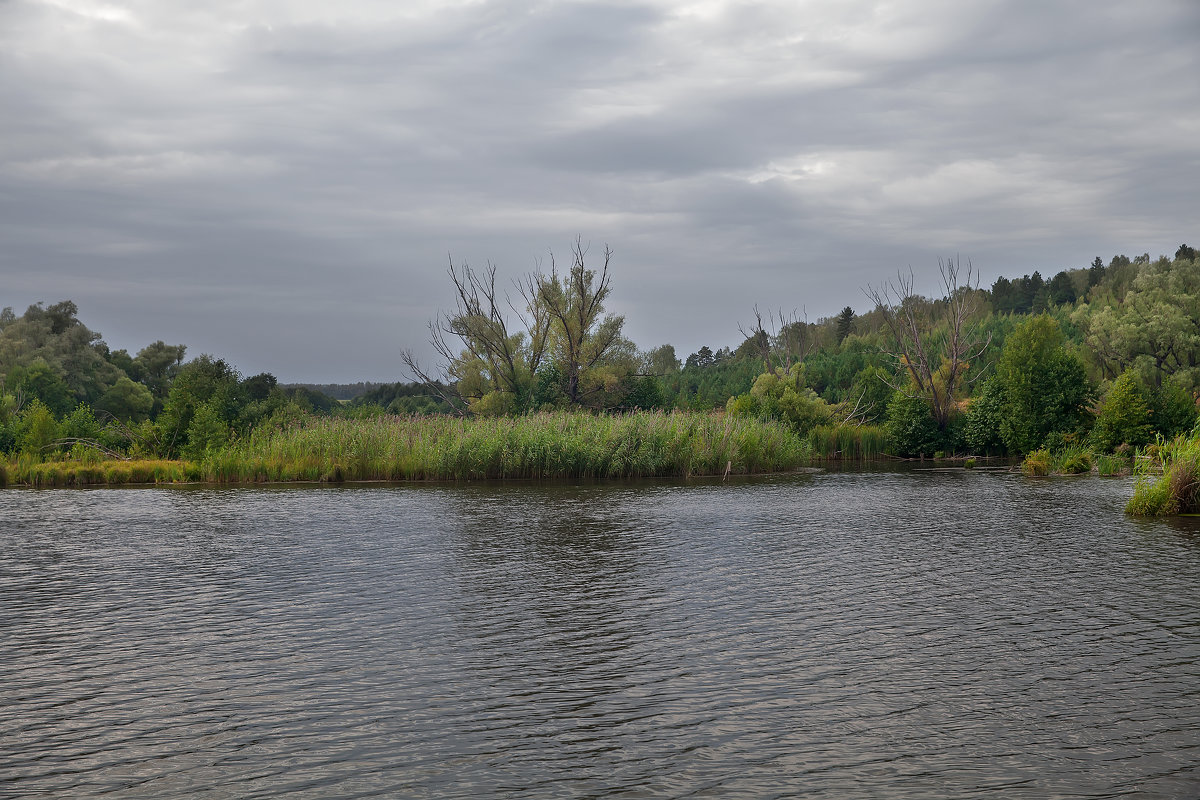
{"x": 1168, "y": 478}
{"x": 542, "y": 446}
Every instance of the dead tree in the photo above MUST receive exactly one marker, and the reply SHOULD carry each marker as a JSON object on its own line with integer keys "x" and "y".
{"x": 785, "y": 338}
{"x": 932, "y": 362}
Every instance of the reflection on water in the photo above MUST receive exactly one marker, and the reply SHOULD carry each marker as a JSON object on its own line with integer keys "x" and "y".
{"x": 883, "y": 634}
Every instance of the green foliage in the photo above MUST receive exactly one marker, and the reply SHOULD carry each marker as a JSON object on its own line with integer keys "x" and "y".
{"x": 207, "y": 433}
{"x": 984, "y": 417}
{"x": 661, "y": 361}
{"x": 551, "y": 446}
{"x": 1041, "y": 388}
{"x": 205, "y": 381}
{"x": 81, "y": 424}
{"x": 1155, "y": 329}
{"x": 783, "y": 396}
{"x": 1037, "y": 464}
{"x": 847, "y": 442}
{"x": 127, "y": 400}
{"x": 845, "y": 323}
{"x": 643, "y": 393}
{"x": 911, "y": 427}
{"x": 1108, "y": 466}
{"x": 1074, "y": 461}
{"x": 705, "y": 388}
{"x": 1125, "y": 415}
{"x": 1172, "y": 409}
{"x": 38, "y": 429}
{"x": 1168, "y": 480}
{"x": 401, "y": 398}
{"x": 39, "y": 381}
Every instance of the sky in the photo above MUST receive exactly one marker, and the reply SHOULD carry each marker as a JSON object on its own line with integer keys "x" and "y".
{"x": 283, "y": 183}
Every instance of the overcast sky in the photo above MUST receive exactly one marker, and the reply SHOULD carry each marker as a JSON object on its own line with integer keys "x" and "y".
{"x": 281, "y": 182}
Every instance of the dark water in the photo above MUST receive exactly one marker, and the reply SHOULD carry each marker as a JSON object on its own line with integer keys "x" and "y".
{"x": 916, "y": 634}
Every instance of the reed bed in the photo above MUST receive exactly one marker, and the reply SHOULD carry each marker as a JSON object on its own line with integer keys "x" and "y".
{"x": 26, "y": 471}
{"x": 1168, "y": 478}
{"x": 847, "y": 442}
{"x": 539, "y": 446}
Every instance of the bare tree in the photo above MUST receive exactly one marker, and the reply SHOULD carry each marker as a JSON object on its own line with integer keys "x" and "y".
{"x": 935, "y": 341}
{"x": 785, "y": 338}
{"x": 481, "y": 328}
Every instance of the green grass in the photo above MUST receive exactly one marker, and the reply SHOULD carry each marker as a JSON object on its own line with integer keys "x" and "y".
{"x": 542, "y": 446}
{"x": 1109, "y": 466}
{"x": 1168, "y": 478}
{"x": 27, "y": 471}
{"x": 1037, "y": 464}
{"x": 552, "y": 445}
{"x": 847, "y": 442}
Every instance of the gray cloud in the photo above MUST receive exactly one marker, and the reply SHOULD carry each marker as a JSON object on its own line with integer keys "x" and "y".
{"x": 280, "y": 183}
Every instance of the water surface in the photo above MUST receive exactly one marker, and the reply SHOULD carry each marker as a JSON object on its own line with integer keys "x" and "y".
{"x": 859, "y": 634}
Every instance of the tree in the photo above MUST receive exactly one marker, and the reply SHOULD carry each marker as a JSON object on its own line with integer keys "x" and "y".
{"x": 1044, "y": 387}
{"x": 911, "y": 425}
{"x": 56, "y": 339}
{"x": 934, "y": 342}
{"x": 1155, "y": 329}
{"x": 38, "y": 428}
{"x": 782, "y": 340}
{"x": 587, "y": 344}
{"x": 701, "y": 358}
{"x": 493, "y": 366}
{"x": 157, "y": 365}
{"x": 1125, "y": 415}
{"x": 985, "y": 416}
{"x": 783, "y": 395}
{"x": 204, "y": 381}
{"x": 661, "y": 361}
{"x": 127, "y": 401}
{"x": 845, "y": 323}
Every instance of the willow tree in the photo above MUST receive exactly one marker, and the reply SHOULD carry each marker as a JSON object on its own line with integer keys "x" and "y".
{"x": 589, "y": 351}
{"x": 934, "y": 341}
{"x": 502, "y": 353}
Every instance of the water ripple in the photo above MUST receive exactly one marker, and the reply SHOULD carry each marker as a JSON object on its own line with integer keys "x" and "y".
{"x": 902, "y": 634}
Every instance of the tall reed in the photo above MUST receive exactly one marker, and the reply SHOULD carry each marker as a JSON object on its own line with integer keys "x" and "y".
{"x": 847, "y": 442}
{"x": 27, "y": 471}
{"x": 1168, "y": 478}
{"x": 549, "y": 445}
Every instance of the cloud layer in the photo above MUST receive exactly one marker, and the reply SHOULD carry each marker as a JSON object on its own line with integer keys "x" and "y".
{"x": 281, "y": 183}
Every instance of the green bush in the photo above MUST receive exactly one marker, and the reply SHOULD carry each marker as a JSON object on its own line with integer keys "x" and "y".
{"x": 911, "y": 427}
{"x": 1125, "y": 415}
{"x": 1075, "y": 462}
{"x": 1037, "y": 463}
{"x": 783, "y": 396}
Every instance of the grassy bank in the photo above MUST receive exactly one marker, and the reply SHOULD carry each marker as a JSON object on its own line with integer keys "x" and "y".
{"x": 1168, "y": 478}
{"x": 29, "y": 472}
{"x": 556, "y": 445}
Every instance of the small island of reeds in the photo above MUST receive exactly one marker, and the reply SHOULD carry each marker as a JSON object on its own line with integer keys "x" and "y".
{"x": 555, "y": 445}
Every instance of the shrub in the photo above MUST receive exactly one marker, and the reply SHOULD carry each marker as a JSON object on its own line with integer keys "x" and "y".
{"x": 1037, "y": 463}
{"x": 1124, "y": 416}
{"x": 911, "y": 426}
{"x": 1075, "y": 462}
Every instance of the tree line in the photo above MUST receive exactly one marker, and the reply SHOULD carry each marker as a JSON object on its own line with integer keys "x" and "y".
{"x": 1106, "y": 355}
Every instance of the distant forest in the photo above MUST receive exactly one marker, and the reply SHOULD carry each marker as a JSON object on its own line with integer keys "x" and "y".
{"x": 338, "y": 391}
{"x": 1107, "y": 354}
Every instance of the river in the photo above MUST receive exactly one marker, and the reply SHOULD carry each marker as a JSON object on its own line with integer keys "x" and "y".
{"x": 883, "y": 633}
